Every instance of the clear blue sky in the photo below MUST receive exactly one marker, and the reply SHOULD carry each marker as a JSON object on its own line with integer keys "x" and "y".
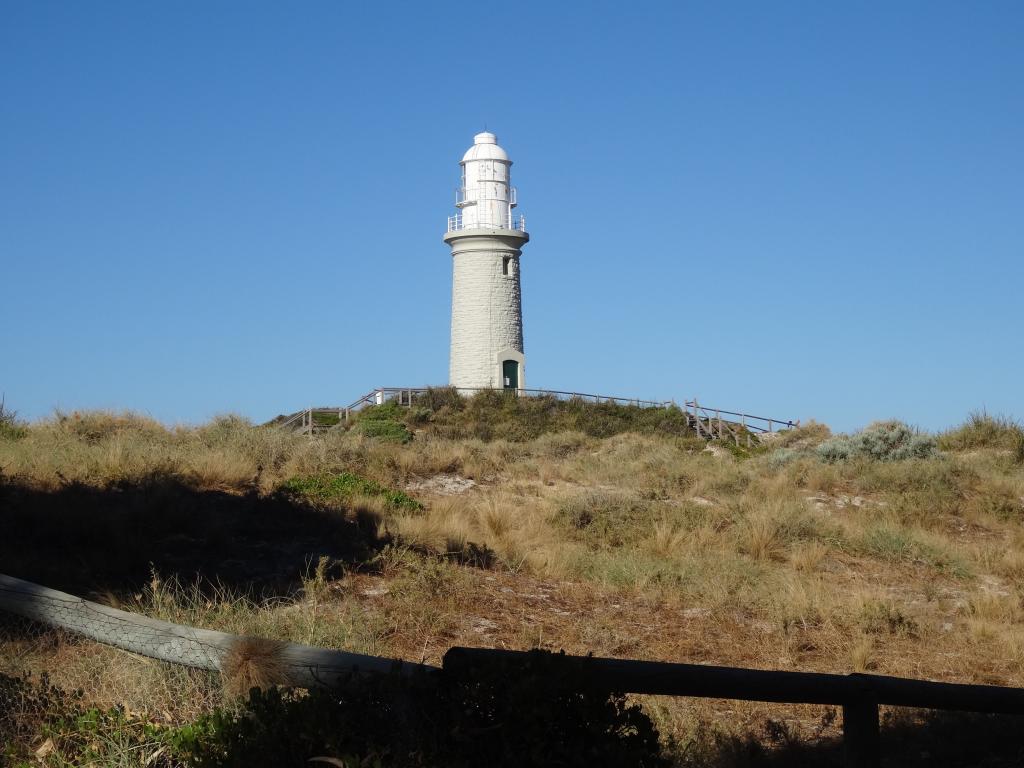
{"x": 801, "y": 209}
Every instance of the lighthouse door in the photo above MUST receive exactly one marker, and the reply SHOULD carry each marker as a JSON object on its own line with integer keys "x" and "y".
{"x": 510, "y": 374}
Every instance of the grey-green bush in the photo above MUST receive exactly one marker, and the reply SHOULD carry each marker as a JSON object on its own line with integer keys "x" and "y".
{"x": 781, "y": 457}
{"x": 882, "y": 441}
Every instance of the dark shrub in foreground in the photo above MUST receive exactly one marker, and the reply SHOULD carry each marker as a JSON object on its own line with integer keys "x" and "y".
{"x": 542, "y": 713}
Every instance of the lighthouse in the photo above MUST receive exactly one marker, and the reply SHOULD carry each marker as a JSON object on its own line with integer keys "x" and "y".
{"x": 486, "y": 241}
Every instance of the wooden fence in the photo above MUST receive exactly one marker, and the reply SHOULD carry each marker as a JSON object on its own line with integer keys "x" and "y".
{"x": 859, "y": 695}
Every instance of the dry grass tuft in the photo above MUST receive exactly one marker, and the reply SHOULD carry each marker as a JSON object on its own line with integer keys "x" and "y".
{"x": 668, "y": 539}
{"x": 808, "y": 556}
{"x": 808, "y": 435}
{"x": 862, "y": 654}
{"x": 983, "y": 430}
{"x": 760, "y": 538}
{"x": 253, "y": 662}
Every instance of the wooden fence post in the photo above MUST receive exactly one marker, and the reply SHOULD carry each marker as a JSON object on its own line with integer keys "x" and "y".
{"x": 860, "y": 734}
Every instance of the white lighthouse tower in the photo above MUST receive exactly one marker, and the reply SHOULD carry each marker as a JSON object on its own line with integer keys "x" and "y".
{"x": 486, "y": 241}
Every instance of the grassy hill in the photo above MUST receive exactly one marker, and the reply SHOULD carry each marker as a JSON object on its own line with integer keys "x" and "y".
{"x": 523, "y": 523}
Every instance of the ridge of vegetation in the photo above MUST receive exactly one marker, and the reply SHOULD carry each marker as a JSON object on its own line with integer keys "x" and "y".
{"x": 494, "y": 415}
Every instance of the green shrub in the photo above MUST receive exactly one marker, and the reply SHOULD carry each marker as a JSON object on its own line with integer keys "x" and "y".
{"x": 606, "y": 520}
{"x": 418, "y": 415}
{"x": 389, "y": 411}
{"x": 435, "y": 399}
{"x": 839, "y": 448}
{"x": 109, "y": 737}
{"x": 389, "y": 431}
{"x": 881, "y": 441}
{"x": 25, "y": 706}
{"x": 330, "y": 489}
{"x": 34, "y": 712}
{"x": 326, "y": 418}
{"x": 384, "y": 422}
{"x": 540, "y": 711}
{"x": 780, "y": 457}
{"x": 901, "y": 546}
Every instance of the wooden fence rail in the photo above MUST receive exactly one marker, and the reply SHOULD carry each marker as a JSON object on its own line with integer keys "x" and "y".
{"x": 303, "y": 665}
{"x": 858, "y": 694}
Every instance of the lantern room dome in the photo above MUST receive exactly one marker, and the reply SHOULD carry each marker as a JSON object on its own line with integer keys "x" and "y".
{"x": 485, "y": 147}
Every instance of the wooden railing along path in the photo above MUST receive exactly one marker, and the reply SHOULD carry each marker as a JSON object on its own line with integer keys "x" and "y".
{"x": 710, "y": 423}
{"x": 859, "y": 695}
{"x": 303, "y": 665}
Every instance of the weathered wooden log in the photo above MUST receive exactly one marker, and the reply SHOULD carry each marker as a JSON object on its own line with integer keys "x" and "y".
{"x": 303, "y": 665}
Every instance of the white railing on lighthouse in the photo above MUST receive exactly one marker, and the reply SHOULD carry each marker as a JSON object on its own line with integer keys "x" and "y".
{"x": 456, "y": 223}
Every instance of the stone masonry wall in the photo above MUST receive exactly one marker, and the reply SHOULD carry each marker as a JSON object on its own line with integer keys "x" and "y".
{"x": 486, "y": 315}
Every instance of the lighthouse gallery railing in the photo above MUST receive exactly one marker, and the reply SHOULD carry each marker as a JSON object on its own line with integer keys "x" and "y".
{"x": 456, "y": 223}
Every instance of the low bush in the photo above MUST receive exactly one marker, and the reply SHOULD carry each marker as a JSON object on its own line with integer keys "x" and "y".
{"x": 384, "y": 422}
{"x": 41, "y": 724}
{"x": 900, "y": 545}
{"x": 780, "y": 457}
{"x": 326, "y": 490}
{"x": 441, "y": 397}
{"x": 24, "y": 707}
{"x": 881, "y": 441}
{"x": 539, "y": 711}
{"x": 606, "y": 520}
{"x": 544, "y": 712}
{"x": 386, "y": 430}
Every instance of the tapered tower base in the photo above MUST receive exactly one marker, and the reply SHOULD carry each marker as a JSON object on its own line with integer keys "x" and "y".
{"x": 487, "y": 317}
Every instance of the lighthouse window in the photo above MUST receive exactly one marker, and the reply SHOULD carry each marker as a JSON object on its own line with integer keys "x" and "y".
{"x": 505, "y": 264}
